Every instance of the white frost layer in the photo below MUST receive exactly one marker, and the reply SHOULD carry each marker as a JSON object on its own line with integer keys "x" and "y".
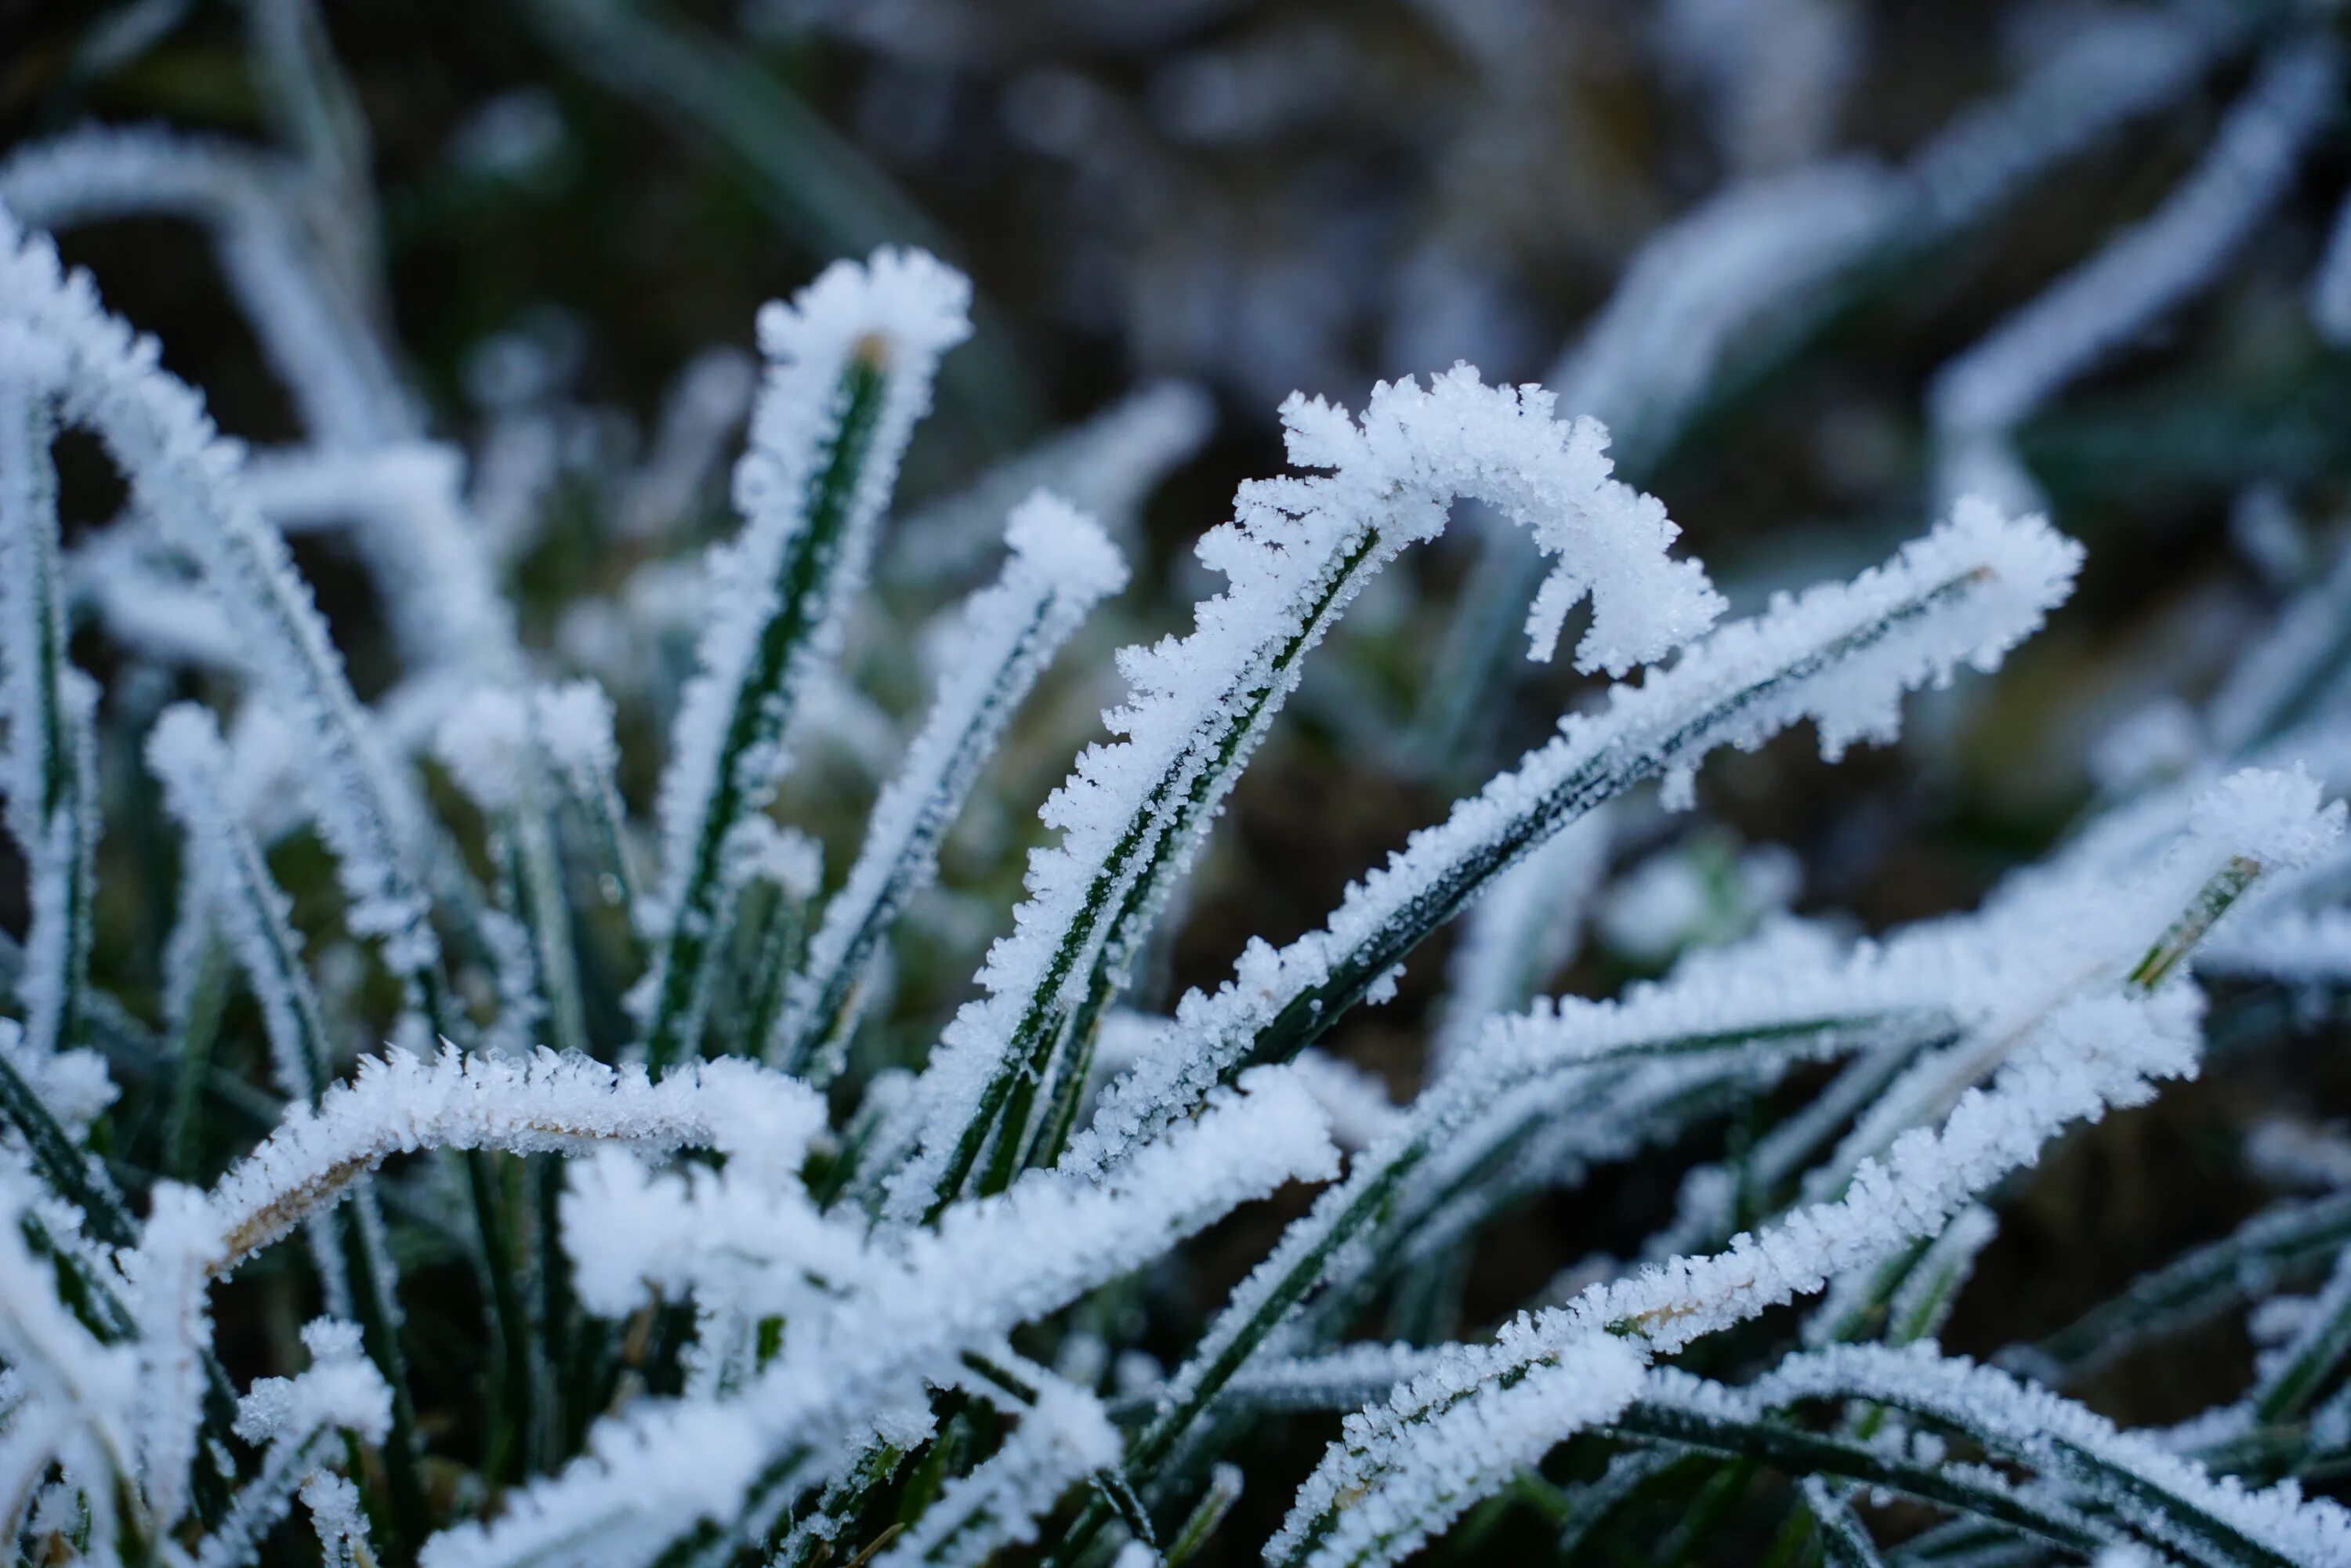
{"x": 1386, "y": 480}
{"x": 920, "y": 1301}
{"x": 169, "y": 1280}
{"x": 898, "y": 313}
{"x": 2067, "y": 1439}
{"x": 72, "y": 1398}
{"x": 2070, "y": 934}
{"x": 574, "y": 723}
{"x": 55, "y": 335}
{"x": 340, "y": 1388}
{"x": 1988, "y": 975}
{"x": 1062, "y": 565}
{"x": 2076, "y": 1055}
{"x": 486, "y": 742}
{"x": 1965, "y": 594}
{"x": 1063, "y": 1436}
{"x": 75, "y": 1084}
{"x": 400, "y": 1104}
{"x": 49, "y": 770}
{"x": 339, "y": 1520}
{"x": 1765, "y": 1015}
{"x": 2089, "y": 1055}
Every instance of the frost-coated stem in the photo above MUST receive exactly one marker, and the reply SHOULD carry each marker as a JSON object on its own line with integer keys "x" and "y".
{"x": 74, "y": 1176}
{"x": 315, "y": 108}
{"x": 1296, "y": 555}
{"x": 2304, "y": 1367}
{"x": 52, "y": 798}
{"x": 405, "y": 509}
{"x": 2252, "y": 823}
{"x": 694, "y": 920}
{"x": 544, "y": 1103}
{"x": 1460, "y": 1429}
{"x": 300, "y": 1418}
{"x": 182, "y": 476}
{"x": 1493, "y": 1409}
{"x": 850, "y": 366}
{"x": 1061, "y": 1436}
{"x": 1552, "y": 1135}
{"x": 49, "y": 777}
{"x": 197, "y": 974}
{"x": 1692, "y": 1415}
{"x": 494, "y": 755}
{"x": 535, "y": 883}
{"x": 75, "y": 1392}
{"x": 1523, "y": 929}
{"x": 1907, "y": 1299}
{"x": 653, "y": 1472}
{"x": 226, "y": 873}
{"x": 1062, "y": 564}
{"x": 1845, "y": 1541}
{"x": 1054, "y": 1044}
{"x": 1843, "y": 655}
{"x": 1797, "y": 1021}
{"x": 2169, "y": 1498}
{"x": 573, "y": 723}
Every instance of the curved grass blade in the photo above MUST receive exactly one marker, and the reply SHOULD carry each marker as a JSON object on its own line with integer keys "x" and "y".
{"x": 1300, "y": 551}
{"x": 1844, "y": 653}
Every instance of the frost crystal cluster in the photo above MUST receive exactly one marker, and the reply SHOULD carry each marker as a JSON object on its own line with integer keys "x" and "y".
{"x": 549, "y": 976}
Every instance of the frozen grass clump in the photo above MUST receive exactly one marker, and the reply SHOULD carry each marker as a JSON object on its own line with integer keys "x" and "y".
{"x": 531, "y": 1125}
